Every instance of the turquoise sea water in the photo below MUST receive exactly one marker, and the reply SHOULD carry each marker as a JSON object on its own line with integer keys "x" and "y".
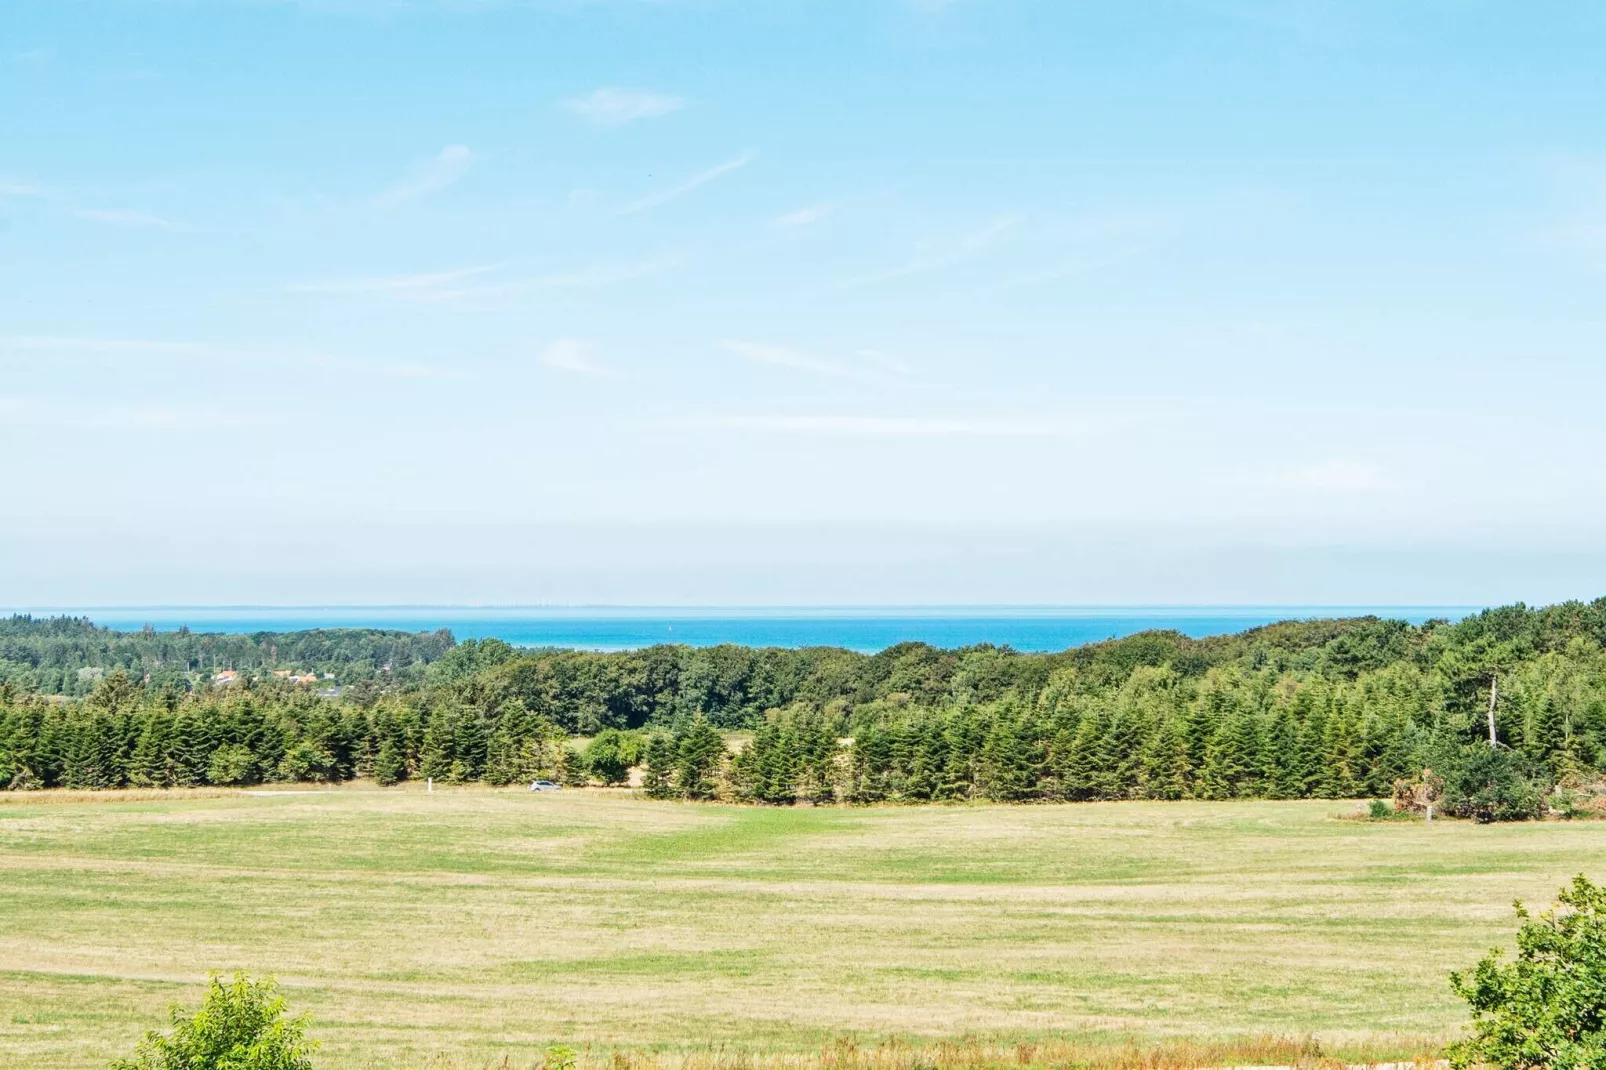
{"x": 857, "y": 628}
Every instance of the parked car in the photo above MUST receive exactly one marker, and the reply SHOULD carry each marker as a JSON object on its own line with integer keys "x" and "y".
{"x": 545, "y": 785}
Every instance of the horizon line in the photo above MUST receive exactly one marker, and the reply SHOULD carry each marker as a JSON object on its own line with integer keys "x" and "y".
{"x": 744, "y": 606}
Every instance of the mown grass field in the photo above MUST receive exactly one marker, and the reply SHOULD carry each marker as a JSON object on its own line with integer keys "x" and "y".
{"x": 478, "y": 924}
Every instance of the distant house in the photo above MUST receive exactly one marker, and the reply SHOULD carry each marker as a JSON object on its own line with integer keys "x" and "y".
{"x": 226, "y": 678}
{"x": 283, "y": 673}
{"x": 304, "y": 678}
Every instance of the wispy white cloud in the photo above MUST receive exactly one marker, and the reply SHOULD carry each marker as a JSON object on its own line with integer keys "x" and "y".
{"x": 416, "y": 370}
{"x": 1333, "y": 474}
{"x": 130, "y": 348}
{"x": 442, "y": 170}
{"x": 612, "y": 106}
{"x": 885, "y": 362}
{"x": 780, "y": 357}
{"x": 870, "y": 363}
{"x": 122, "y": 217}
{"x": 1069, "y": 267}
{"x": 421, "y": 284}
{"x": 1581, "y": 230}
{"x": 605, "y": 274}
{"x": 485, "y": 286}
{"x": 655, "y": 200}
{"x": 576, "y": 357}
{"x": 107, "y": 346}
{"x": 896, "y": 426}
{"x": 1313, "y": 22}
{"x": 948, "y": 253}
{"x": 20, "y": 189}
{"x": 802, "y": 217}
{"x": 101, "y": 416}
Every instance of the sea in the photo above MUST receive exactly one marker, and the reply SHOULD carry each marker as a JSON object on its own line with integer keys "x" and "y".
{"x": 862, "y": 628}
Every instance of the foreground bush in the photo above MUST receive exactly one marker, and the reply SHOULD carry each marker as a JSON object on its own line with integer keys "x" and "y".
{"x": 240, "y": 1026}
{"x": 1546, "y": 1010}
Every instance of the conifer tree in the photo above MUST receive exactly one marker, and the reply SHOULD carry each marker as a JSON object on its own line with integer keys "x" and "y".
{"x": 1278, "y": 767}
{"x": 390, "y": 765}
{"x": 1337, "y": 779}
{"x": 1080, "y": 771}
{"x": 1165, "y": 772}
{"x": 929, "y": 756}
{"x": 658, "y": 778}
{"x": 870, "y": 764}
{"x": 468, "y": 746}
{"x": 1117, "y": 754}
{"x": 818, "y": 752}
{"x": 147, "y": 764}
{"x": 438, "y": 753}
{"x": 700, "y": 755}
{"x": 1005, "y": 772}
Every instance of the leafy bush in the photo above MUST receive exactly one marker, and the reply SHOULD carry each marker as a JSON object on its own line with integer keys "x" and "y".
{"x": 304, "y": 761}
{"x": 1547, "y": 1009}
{"x": 240, "y": 1026}
{"x": 611, "y": 755}
{"x": 1495, "y": 784}
{"x": 232, "y": 763}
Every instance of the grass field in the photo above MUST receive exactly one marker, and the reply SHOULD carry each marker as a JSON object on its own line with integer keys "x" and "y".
{"x": 478, "y": 924}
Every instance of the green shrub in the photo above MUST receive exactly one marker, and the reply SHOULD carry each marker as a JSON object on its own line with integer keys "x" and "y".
{"x": 1379, "y": 810}
{"x": 240, "y": 1026}
{"x": 304, "y": 761}
{"x": 232, "y": 763}
{"x": 1547, "y": 1009}
{"x": 1495, "y": 784}
{"x": 607, "y": 757}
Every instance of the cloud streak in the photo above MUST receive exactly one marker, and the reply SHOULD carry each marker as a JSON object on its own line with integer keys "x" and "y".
{"x": 802, "y": 217}
{"x": 393, "y": 285}
{"x": 695, "y": 182}
{"x": 122, "y": 217}
{"x": 130, "y": 348}
{"x": 781, "y": 357}
{"x": 894, "y": 426}
{"x": 948, "y": 254}
{"x": 40, "y": 412}
{"x": 468, "y": 289}
{"x": 575, "y": 357}
{"x": 611, "y": 106}
{"x": 1336, "y": 474}
{"x": 445, "y": 169}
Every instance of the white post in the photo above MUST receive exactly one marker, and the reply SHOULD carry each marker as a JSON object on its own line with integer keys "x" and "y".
{"x": 429, "y": 785}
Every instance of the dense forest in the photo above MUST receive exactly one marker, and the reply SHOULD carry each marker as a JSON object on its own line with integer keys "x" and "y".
{"x": 67, "y": 655}
{"x": 1331, "y": 709}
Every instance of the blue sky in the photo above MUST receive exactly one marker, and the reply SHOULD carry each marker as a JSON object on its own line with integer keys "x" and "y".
{"x": 889, "y": 301}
